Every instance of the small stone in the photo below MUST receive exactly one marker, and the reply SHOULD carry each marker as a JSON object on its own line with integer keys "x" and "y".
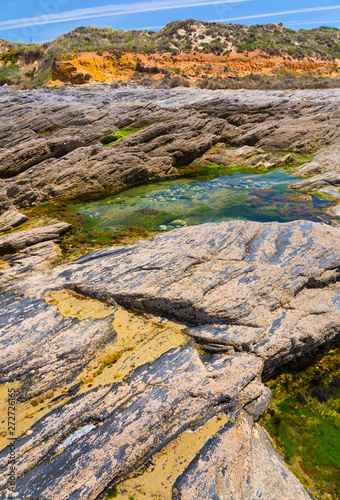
{"x": 179, "y": 222}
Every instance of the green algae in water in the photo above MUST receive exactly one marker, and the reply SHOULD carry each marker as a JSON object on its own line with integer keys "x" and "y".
{"x": 112, "y": 493}
{"x": 304, "y": 420}
{"x": 175, "y": 203}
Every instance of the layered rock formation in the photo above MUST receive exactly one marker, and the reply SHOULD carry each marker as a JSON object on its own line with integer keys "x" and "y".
{"x": 19, "y": 240}
{"x": 253, "y": 295}
{"x": 323, "y": 172}
{"x": 104, "y": 67}
{"x": 182, "y": 126}
{"x": 117, "y": 357}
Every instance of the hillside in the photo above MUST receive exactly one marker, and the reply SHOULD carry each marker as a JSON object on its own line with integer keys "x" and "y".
{"x": 192, "y": 50}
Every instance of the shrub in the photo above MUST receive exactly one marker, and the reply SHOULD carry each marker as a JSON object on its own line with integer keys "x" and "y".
{"x": 9, "y": 57}
{"x": 176, "y": 81}
{"x": 10, "y": 74}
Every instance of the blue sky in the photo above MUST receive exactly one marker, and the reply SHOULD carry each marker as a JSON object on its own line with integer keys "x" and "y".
{"x": 42, "y": 20}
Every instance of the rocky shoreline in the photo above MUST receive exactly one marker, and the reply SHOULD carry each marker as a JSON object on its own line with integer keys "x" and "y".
{"x": 116, "y": 355}
{"x": 50, "y": 139}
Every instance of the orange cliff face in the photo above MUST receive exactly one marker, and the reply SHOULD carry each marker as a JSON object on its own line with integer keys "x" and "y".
{"x": 94, "y": 68}
{"x": 90, "y": 67}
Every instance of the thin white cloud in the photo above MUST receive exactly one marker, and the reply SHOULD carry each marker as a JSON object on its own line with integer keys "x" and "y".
{"x": 281, "y": 13}
{"x": 109, "y": 10}
{"x": 319, "y": 22}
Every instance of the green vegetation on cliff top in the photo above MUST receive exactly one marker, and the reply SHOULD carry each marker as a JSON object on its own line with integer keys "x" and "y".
{"x": 175, "y": 37}
{"x": 190, "y": 34}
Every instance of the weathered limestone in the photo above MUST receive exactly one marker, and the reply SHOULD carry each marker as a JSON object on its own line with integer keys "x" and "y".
{"x": 248, "y": 156}
{"x": 34, "y": 258}
{"x": 245, "y": 276}
{"x": 130, "y": 423}
{"x": 17, "y": 160}
{"x": 324, "y": 174}
{"x": 100, "y": 389}
{"x": 215, "y": 472}
{"x": 87, "y": 169}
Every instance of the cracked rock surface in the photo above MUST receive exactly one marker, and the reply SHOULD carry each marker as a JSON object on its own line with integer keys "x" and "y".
{"x": 270, "y": 289}
{"x": 50, "y": 141}
{"x": 241, "y": 447}
{"x": 253, "y": 296}
{"x": 19, "y": 240}
{"x": 118, "y": 354}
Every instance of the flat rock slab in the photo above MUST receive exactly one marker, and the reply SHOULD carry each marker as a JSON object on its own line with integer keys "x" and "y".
{"x": 42, "y": 347}
{"x": 271, "y": 289}
{"x": 20, "y": 158}
{"x": 261, "y": 294}
{"x": 240, "y": 464}
{"x": 21, "y": 239}
{"x": 129, "y": 423}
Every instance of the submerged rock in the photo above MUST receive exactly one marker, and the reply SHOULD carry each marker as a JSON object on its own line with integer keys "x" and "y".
{"x": 178, "y": 222}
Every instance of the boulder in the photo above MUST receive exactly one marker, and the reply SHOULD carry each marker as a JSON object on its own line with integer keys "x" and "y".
{"x": 262, "y": 288}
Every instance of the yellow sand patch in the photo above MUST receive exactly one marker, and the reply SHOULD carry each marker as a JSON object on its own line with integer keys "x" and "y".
{"x": 4, "y": 264}
{"x": 26, "y": 413}
{"x": 155, "y": 483}
{"x": 71, "y": 304}
{"x": 140, "y": 339}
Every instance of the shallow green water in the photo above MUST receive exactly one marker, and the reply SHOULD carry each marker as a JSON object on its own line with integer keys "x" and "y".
{"x": 169, "y": 204}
